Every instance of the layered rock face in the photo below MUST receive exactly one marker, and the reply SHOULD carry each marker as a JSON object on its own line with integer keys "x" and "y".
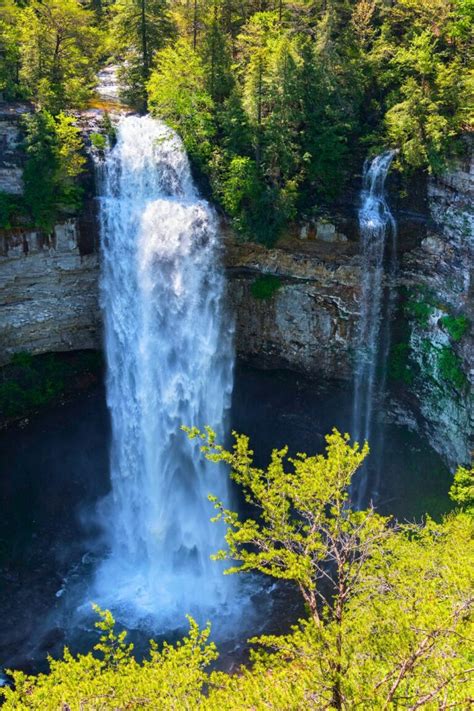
{"x": 48, "y": 293}
{"x": 438, "y": 278}
{"x": 309, "y": 324}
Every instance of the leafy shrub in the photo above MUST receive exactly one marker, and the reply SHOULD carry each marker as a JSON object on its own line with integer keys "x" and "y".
{"x": 111, "y": 678}
{"x": 264, "y": 287}
{"x": 99, "y": 141}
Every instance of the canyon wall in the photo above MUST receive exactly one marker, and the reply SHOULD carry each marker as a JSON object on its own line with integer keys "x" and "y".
{"x": 49, "y": 298}
{"x": 48, "y": 282}
{"x": 309, "y": 324}
{"x": 48, "y": 293}
{"x": 439, "y": 312}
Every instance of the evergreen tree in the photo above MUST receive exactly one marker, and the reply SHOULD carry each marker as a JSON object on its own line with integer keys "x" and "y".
{"x": 58, "y": 48}
{"x": 140, "y": 28}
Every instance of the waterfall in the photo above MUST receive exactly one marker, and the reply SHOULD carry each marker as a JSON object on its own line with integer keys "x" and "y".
{"x": 169, "y": 362}
{"x": 377, "y": 227}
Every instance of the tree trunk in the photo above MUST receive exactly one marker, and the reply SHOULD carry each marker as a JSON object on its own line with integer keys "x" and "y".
{"x": 143, "y": 30}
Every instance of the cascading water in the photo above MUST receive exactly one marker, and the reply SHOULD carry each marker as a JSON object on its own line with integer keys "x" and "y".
{"x": 170, "y": 361}
{"x": 377, "y": 227}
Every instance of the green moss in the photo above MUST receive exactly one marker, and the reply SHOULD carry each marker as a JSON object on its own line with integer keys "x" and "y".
{"x": 457, "y": 327}
{"x": 264, "y": 287}
{"x": 420, "y": 310}
{"x": 398, "y": 364}
{"x": 450, "y": 368}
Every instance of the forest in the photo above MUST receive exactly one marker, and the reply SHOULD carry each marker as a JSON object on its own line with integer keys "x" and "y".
{"x": 277, "y": 104}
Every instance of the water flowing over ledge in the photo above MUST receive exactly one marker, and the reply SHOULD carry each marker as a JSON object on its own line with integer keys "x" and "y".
{"x": 377, "y": 225}
{"x": 170, "y": 361}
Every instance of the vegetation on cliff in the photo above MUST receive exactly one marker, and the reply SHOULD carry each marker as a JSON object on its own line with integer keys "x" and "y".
{"x": 277, "y": 103}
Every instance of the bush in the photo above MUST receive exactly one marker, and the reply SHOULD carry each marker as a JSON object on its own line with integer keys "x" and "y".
{"x": 264, "y": 287}
{"x": 99, "y": 141}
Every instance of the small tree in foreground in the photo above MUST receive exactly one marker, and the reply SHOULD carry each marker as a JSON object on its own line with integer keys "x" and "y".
{"x": 389, "y": 605}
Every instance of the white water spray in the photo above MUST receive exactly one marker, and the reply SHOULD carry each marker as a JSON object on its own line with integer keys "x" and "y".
{"x": 377, "y": 226}
{"x": 170, "y": 359}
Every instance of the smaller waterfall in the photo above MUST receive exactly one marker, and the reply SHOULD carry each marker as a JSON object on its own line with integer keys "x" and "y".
{"x": 377, "y": 231}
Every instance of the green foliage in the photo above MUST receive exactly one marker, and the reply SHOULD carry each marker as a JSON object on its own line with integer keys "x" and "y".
{"x": 265, "y": 286}
{"x": 12, "y": 207}
{"x": 420, "y": 307}
{"x": 450, "y": 368}
{"x": 170, "y": 678}
{"x": 399, "y": 365}
{"x": 303, "y": 515}
{"x": 390, "y": 605}
{"x": 58, "y": 53}
{"x": 99, "y": 141}
{"x": 55, "y": 160}
{"x": 462, "y": 490}
{"x": 456, "y": 326}
{"x": 28, "y": 384}
{"x": 139, "y": 29}
{"x": 296, "y": 97}
{"x": 9, "y": 49}
{"x": 178, "y": 95}
{"x": 277, "y": 102}
{"x": 29, "y": 387}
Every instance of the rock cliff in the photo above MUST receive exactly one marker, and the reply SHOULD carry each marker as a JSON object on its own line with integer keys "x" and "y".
{"x": 49, "y": 297}
{"x": 309, "y": 324}
{"x": 439, "y": 311}
{"x": 48, "y": 293}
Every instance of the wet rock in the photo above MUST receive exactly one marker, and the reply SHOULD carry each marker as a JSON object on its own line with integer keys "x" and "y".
{"x": 442, "y": 268}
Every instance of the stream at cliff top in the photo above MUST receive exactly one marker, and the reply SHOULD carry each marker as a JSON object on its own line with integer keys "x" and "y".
{"x": 56, "y": 468}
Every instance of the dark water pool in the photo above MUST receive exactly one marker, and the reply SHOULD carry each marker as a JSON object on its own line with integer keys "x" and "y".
{"x": 54, "y": 468}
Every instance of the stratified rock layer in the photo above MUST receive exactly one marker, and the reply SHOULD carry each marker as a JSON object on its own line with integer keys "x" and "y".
{"x": 48, "y": 293}
{"x": 309, "y": 324}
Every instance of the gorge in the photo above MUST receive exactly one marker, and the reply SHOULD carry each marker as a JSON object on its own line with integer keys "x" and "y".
{"x": 236, "y": 355}
{"x": 161, "y": 285}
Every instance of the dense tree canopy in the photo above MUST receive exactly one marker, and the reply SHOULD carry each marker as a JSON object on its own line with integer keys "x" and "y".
{"x": 277, "y": 103}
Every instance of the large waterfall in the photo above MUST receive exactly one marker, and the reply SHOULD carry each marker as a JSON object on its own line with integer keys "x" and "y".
{"x": 169, "y": 362}
{"x": 377, "y": 232}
